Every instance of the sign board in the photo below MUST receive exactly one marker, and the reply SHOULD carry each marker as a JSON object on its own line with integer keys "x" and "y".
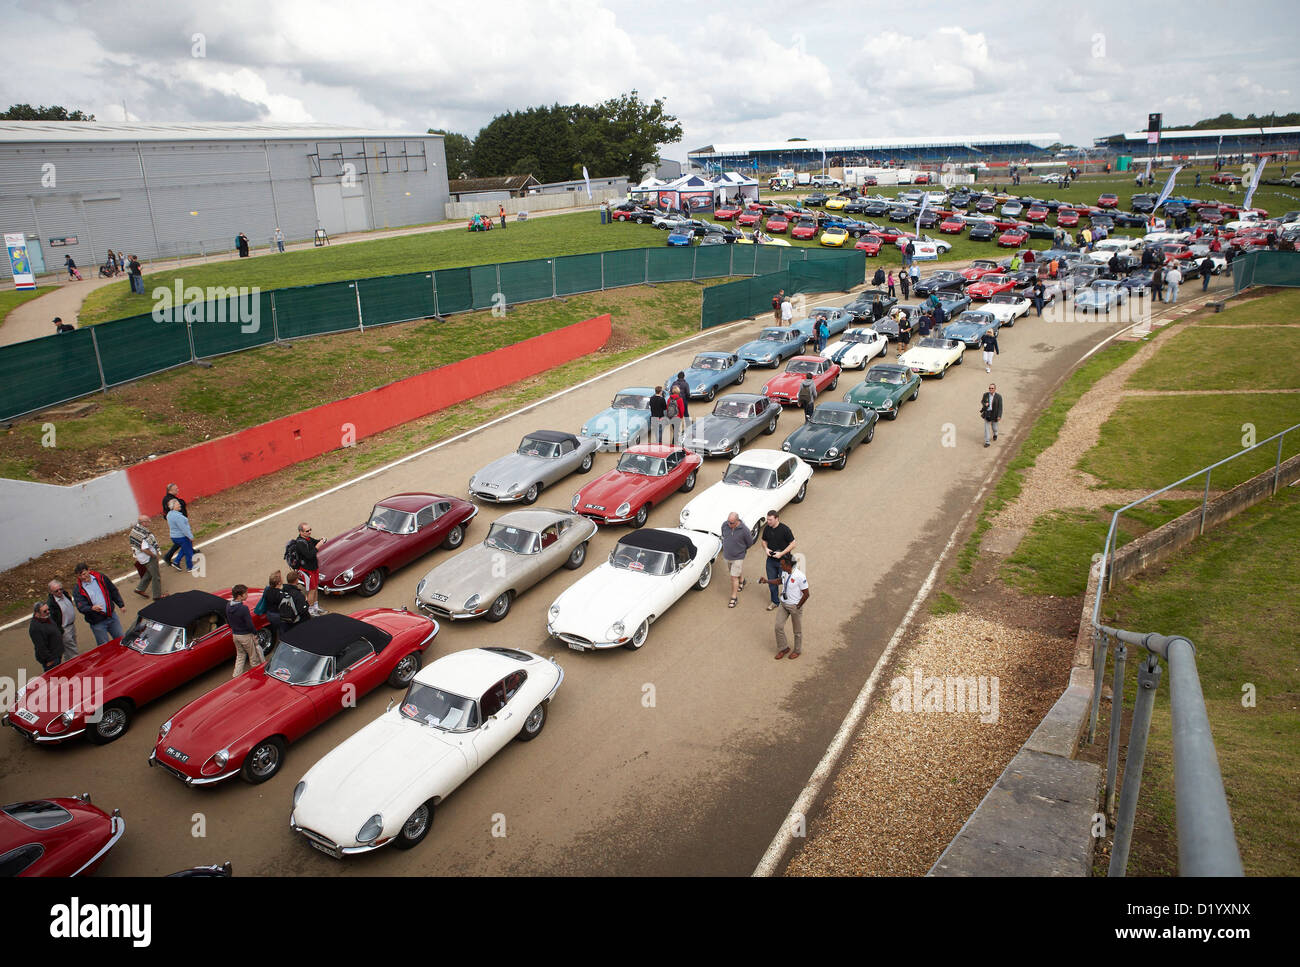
{"x": 19, "y": 264}
{"x": 925, "y": 251}
{"x": 63, "y": 241}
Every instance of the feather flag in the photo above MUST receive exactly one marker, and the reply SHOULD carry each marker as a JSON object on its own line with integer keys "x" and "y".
{"x": 1254, "y": 183}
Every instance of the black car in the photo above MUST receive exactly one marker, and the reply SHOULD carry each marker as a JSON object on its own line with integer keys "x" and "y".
{"x": 1139, "y": 281}
{"x": 959, "y": 199}
{"x": 1129, "y": 219}
{"x": 986, "y": 204}
{"x": 982, "y": 232}
{"x": 943, "y": 280}
{"x": 856, "y": 207}
{"x": 900, "y": 214}
{"x": 817, "y": 198}
{"x": 888, "y": 326}
{"x": 929, "y": 218}
{"x": 861, "y": 307}
{"x": 635, "y": 213}
{"x": 1143, "y": 203}
{"x": 714, "y": 230}
{"x": 875, "y": 207}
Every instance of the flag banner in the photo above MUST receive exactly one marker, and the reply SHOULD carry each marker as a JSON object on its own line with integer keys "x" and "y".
{"x": 587, "y": 178}
{"x": 1147, "y": 176}
{"x": 925, "y": 203}
{"x": 1254, "y": 182}
{"x": 19, "y": 264}
{"x": 1168, "y": 189}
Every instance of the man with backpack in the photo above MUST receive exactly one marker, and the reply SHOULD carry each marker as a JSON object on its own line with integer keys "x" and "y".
{"x": 807, "y": 396}
{"x": 293, "y": 608}
{"x": 300, "y": 555}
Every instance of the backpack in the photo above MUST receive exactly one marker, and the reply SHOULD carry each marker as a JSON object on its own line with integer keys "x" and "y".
{"x": 288, "y": 608}
{"x": 293, "y": 554}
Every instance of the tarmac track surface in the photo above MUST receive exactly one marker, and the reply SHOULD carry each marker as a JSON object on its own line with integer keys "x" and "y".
{"x": 696, "y": 780}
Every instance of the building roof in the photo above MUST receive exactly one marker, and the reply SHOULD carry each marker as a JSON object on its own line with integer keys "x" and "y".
{"x": 872, "y": 144}
{"x": 1284, "y": 132}
{"x": 502, "y": 183}
{"x": 18, "y": 132}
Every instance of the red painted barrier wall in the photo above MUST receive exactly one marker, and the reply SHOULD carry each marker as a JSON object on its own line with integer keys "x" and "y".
{"x": 216, "y": 465}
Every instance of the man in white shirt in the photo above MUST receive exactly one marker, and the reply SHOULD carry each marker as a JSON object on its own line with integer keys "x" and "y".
{"x": 794, "y": 593}
{"x": 1172, "y": 278}
{"x": 787, "y": 311}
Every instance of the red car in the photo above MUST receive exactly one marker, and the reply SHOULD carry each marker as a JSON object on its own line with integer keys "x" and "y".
{"x": 1013, "y": 238}
{"x": 888, "y": 233}
{"x": 1036, "y": 214}
{"x": 173, "y": 640}
{"x": 989, "y": 286}
{"x": 56, "y": 837}
{"x": 1067, "y": 217}
{"x": 921, "y": 179}
{"x": 1245, "y": 240}
{"x": 1176, "y": 252}
{"x": 750, "y": 216}
{"x": 645, "y": 476}
{"x": 400, "y": 529}
{"x": 318, "y": 669}
{"x": 1211, "y": 216}
{"x": 870, "y": 244}
{"x": 1224, "y": 178}
{"x": 726, "y": 213}
{"x": 1108, "y": 201}
{"x": 804, "y": 228}
{"x": 980, "y": 268}
{"x": 778, "y": 223}
{"x": 952, "y": 225}
{"x": 784, "y": 387}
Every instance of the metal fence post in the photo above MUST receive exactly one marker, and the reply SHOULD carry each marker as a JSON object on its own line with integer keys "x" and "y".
{"x": 647, "y": 265}
{"x": 1144, "y": 702}
{"x": 1277, "y": 466}
{"x": 498, "y": 291}
{"x": 356, "y": 287}
{"x": 602, "y": 271}
{"x": 1116, "y": 721}
{"x": 189, "y": 332}
{"x": 1205, "y": 500}
{"x": 731, "y": 260}
{"x": 1099, "y": 648}
{"x": 275, "y": 325}
{"x": 94, "y": 342}
{"x": 695, "y": 262}
{"x": 433, "y": 281}
{"x": 554, "y": 285}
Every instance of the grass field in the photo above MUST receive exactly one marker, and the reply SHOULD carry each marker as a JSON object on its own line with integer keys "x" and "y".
{"x": 11, "y": 299}
{"x": 1280, "y": 308}
{"x": 1232, "y": 594}
{"x": 1225, "y": 358}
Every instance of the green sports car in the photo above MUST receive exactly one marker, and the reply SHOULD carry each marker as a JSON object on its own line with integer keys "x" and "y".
{"x": 834, "y": 430}
{"x": 886, "y": 387}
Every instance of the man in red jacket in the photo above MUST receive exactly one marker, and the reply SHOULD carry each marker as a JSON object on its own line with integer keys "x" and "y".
{"x": 98, "y": 599}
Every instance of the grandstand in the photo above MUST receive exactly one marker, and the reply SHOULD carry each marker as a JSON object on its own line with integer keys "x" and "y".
{"x": 1204, "y": 143}
{"x": 840, "y": 153}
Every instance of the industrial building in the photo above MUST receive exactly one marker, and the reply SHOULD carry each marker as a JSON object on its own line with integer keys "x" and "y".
{"x": 1207, "y": 143}
{"x": 162, "y": 190}
{"x": 810, "y": 155}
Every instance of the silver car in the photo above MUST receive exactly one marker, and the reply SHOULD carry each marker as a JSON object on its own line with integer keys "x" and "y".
{"x": 543, "y": 457}
{"x": 737, "y": 418}
{"x": 522, "y": 548}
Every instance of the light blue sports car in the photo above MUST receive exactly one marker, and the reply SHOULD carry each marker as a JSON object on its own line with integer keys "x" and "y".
{"x": 1101, "y": 296}
{"x": 625, "y": 422}
{"x": 710, "y": 372}
{"x": 774, "y": 345}
{"x": 971, "y": 327}
{"x": 837, "y": 320}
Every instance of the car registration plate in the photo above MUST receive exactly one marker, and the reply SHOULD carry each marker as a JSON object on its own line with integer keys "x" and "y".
{"x": 29, "y": 717}
{"x": 575, "y": 647}
{"x": 178, "y": 756}
{"x": 326, "y": 850}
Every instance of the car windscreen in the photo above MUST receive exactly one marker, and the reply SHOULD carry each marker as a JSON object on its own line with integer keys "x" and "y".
{"x": 858, "y": 335}
{"x": 976, "y": 319}
{"x": 708, "y": 362}
{"x": 150, "y": 637}
{"x": 298, "y": 667}
{"x": 732, "y": 408}
{"x": 532, "y": 447}
{"x": 892, "y": 376}
{"x": 643, "y": 464}
{"x": 1004, "y": 299}
{"x": 503, "y": 537}
{"x": 642, "y": 559}
{"x": 802, "y": 366}
{"x": 739, "y": 475}
{"x": 827, "y": 417}
{"x": 931, "y": 342}
{"x": 442, "y": 710}
{"x": 631, "y": 401}
{"x": 773, "y": 335}
{"x": 391, "y": 520}
{"x": 40, "y": 814}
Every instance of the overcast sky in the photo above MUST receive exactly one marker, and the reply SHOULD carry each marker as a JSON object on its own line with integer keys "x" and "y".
{"x": 759, "y": 70}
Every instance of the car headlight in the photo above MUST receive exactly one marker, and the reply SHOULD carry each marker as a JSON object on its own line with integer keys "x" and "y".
{"x": 616, "y": 630}
{"x": 554, "y": 611}
{"x": 371, "y": 830}
{"x": 298, "y": 790}
{"x": 833, "y": 452}
{"x": 346, "y": 576}
{"x": 419, "y": 588}
{"x": 623, "y": 509}
{"x": 471, "y": 481}
{"x": 766, "y": 387}
{"x": 583, "y": 431}
{"x": 68, "y": 716}
{"x": 766, "y": 357}
{"x": 686, "y": 512}
{"x": 166, "y": 727}
{"x": 725, "y": 442}
{"x": 785, "y": 446}
{"x": 221, "y": 758}
{"x": 472, "y": 603}
{"x": 515, "y": 486}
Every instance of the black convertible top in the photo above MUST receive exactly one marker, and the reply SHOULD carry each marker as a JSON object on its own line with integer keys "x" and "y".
{"x": 331, "y": 633}
{"x": 657, "y": 540}
{"x": 181, "y": 608}
{"x": 552, "y": 436}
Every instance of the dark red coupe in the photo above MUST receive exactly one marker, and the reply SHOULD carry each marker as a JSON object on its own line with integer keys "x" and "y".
{"x": 56, "y": 837}
{"x": 401, "y": 528}
{"x": 173, "y": 641}
{"x": 989, "y": 286}
{"x": 318, "y": 669}
{"x": 645, "y": 476}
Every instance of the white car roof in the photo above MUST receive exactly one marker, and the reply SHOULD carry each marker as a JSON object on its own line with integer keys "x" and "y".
{"x": 766, "y": 459}
{"x": 468, "y": 673}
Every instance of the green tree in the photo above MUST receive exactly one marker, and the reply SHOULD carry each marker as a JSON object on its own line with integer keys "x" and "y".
{"x": 459, "y": 150}
{"x": 55, "y": 112}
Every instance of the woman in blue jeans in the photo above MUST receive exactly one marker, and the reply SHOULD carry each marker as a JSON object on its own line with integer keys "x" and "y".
{"x": 178, "y": 526}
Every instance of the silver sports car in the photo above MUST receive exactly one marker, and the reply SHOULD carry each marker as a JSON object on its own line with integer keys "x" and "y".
{"x": 737, "y": 418}
{"x": 543, "y": 457}
{"x": 522, "y": 547}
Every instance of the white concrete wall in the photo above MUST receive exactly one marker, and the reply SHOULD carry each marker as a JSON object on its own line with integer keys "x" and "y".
{"x": 456, "y": 210}
{"x": 37, "y": 517}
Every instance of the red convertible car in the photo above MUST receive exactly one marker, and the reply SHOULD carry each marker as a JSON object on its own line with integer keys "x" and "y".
{"x": 778, "y": 223}
{"x": 1175, "y": 252}
{"x": 318, "y": 669}
{"x": 1224, "y": 178}
{"x": 56, "y": 837}
{"x": 645, "y": 476}
{"x": 1108, "y": 201}
{"x": 889, "y": 234}
{"x": 980, "y": 268}
{"x": 1067, "y": 217}
{"x": 805, "y": 228}
{"x": 750, "y": 216}
{"x": 400, "y": 529}
{"x": 989, "y": 286}
{"x": 953, "y": 225}
{"x": 726, "y": 213}
{"x": 173, "y": 640}
{"x": 1036, "y": 213}
{"x": 871, "y": 244}
{"x": 784, "y": 387}
{"x": 1013, "y": 238}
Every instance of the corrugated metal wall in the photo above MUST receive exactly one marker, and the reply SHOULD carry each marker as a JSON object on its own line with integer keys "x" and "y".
{"x": 158, "y": 200}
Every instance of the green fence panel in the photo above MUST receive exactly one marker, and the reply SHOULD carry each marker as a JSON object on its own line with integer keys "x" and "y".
{"x": 713, "y": 261}
{"x": 577, "y": 273}
{"x": 818, "y": 275}
{"x": 1265, "y": 268}
{"x": 453, "y": 291}
{"x": 232, "y": 324}
{"x": 671, "y": 264}
{"x": 484, "y": 285}
{"x": 740, "y": 300}
{"x": 309, "y": 310}
{"x": 626, "y": 267}
{"x": 528, "y": 281}
{"x": 140, "y": 345}
{"x": 768, "y": 258}
{"x": 396, "y": 298}
{"x": 37, "y": 373}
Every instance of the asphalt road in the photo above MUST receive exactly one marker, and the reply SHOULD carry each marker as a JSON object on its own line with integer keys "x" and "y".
{"x": 682, "y": 758}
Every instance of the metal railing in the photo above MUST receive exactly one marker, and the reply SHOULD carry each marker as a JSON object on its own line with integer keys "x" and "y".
{"x": 1207, "y": 844}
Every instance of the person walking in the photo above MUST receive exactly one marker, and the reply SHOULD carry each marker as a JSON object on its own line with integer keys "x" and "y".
{"x": 178, "y": 528}
{"x": 807, "y": 396}
{"x": 47, "y": 638}
{"x": 60, "y": 326}
{"x": 915, "y": 273}
{"x": 776, "y": 306}
{"x": 144, "y": 546}
{"x": 1206, "y": 269}
{"x": 136, "y": 274}
{"x": 991, "y": 412}
{"x": 676, "y": 415}
{"x": 889, "y": 284}
{"x": 268, "y": 605}
{"x": 173, "y": 492}
{"x": 1038, "y": 297}
{"x": 684, "y": 391}
{"x": 1172, "y": 278}
{"x": 301, "y": 556}
{"x": 905, "y": 285}
{"x": 71, "y": 266}
{"x": 1157, "y": 281}
{"x": 821, "y": 333}
{"x": 97, "y": 598}
{"x": 737, "y": 539}
{"x": 64, "y": 611}
{"x": 926, "y": 324}
{"x": 777, "y": 541}
{"x": 501, "y": 209}
{"x": 242, "y": 630}
{"x": 279, "y": 238}
{"x": 658, "y": 407}
{"x": 904, "y": 320}
{"x": 989, "y": 344}
{"x": 787, "y": 311}
{"x": 909, "y": 254}
{"x": 879, "y": 278}
{"x": 241, "y": 243}
{"x": 791, "y": 586}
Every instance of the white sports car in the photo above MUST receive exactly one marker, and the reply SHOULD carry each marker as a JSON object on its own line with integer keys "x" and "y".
{"x": 755, "y": 482}
{"x": 856, "y": 348}
{"x": 382, "y": 785}
{"x": 933, "y": 356}
{"x": 646, "y": 573}
{"x": 1007, "y": 307}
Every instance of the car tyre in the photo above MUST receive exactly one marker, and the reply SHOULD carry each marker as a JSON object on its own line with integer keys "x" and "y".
{"x": 741, "y": 378}
{"x": 638, "y": 638}
{"x": 959, "y": 359}
{"x": 689, "y": 483}
{"x": 500, "y": 607}
{"x": 642, "y": 515}
{"x": 915, "y": 393}
{"x": 803, "y": 492}
{"x": 871, "y": 433}
{"x": 114, "y": 720}
{"x": 943, "y": 372}
{"x": 265, "y": 641}
{"x": 530, "y": 495}
{"x": 455, "y": 537}
{"x": 771, "y": 427}
{"x": 842, "y": 462}
{"x": 705, "y": 577}
{"x": 263, "y": 761}
{"x": 585, "y": 466}
{"x": 533, "y": 724}
{"x": 415, "y": 828}
{"x": 371, "y": 583}
{"x": 835, "y": 382}
{"x": 708, "y": 397}
{"x": 576, "y": 557}
{"x": 405, "y": 670}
